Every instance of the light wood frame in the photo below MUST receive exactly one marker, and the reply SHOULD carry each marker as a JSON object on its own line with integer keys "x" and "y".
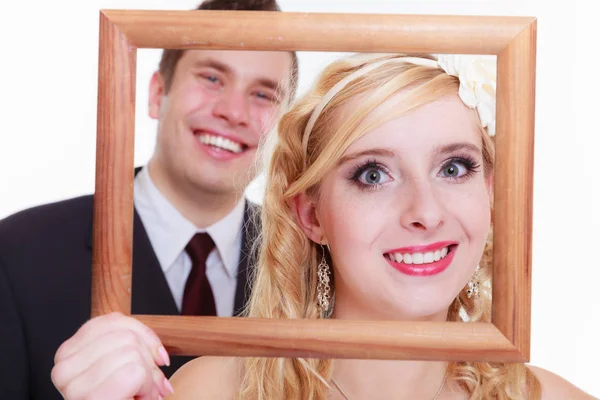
{"x": 512, "y": 39}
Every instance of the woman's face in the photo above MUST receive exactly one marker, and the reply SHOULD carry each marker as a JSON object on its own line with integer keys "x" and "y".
{"x": 406, "y": 213}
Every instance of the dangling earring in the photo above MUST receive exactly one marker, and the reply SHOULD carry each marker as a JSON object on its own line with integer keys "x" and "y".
{"x": 473, "y": 285}
{"x": 323, "y": 288}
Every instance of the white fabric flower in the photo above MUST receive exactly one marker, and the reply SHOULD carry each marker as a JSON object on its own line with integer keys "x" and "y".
{"x": 477, "y": 75}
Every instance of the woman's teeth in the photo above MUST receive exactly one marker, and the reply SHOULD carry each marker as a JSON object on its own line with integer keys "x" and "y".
{"x": 220, "y": 142}
{"x": 419, "y": 258}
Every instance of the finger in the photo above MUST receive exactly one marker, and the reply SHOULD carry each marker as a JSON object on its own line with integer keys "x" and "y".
{"x": 100, "y": 326}
{"x": 161, "y": 390}
{"x": 104, "y": 356}
{"x": 148, "y": 389}
{"x": 127, "y": 382}
{"x": 97, "y": 327}
{"x": 117, "y": 378}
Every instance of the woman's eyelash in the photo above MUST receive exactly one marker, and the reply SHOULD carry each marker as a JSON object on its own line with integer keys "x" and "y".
{"x": 361, "y": 168}
{"x": 468, "y": 161}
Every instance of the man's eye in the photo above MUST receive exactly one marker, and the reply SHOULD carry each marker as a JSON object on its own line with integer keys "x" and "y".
{"x": 265, "y": 96}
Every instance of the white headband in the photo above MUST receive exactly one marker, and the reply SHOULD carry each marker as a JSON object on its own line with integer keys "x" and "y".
{"x": 477, "y": 76}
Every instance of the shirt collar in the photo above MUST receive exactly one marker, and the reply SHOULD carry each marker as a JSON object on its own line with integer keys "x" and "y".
{"x": 226, "y": 233}
{"x": 169, "y": 231}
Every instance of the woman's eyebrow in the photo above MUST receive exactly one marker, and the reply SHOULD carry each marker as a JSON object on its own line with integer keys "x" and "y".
{"x": 453, "y": 147}
{"x": 387, "y": 153}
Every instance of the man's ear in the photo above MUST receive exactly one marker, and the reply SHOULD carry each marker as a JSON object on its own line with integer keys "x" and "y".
{"x": 157, "y": 90}
{"x": 306, "y": 215}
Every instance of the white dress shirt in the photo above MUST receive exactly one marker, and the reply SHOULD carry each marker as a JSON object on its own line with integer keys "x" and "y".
{"x": 169, "y": 233}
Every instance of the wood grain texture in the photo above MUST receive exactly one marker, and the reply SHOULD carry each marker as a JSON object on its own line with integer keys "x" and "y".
{"x": 251, "y": 30}
{"x": 332, "y": 339}
{"x": 113, "y": 201}
{"x": 512, "y": 39}
{"x": 513, "y": 188}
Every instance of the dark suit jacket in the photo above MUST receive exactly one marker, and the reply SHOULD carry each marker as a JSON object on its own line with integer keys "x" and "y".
{"x": 45, "y": 289}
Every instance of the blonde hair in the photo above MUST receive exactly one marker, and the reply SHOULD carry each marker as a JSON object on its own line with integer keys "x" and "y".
{"x": 285, "y": 281}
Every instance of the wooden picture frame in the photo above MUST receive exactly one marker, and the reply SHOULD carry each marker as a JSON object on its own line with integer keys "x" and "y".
{"x": 511, "y": 39}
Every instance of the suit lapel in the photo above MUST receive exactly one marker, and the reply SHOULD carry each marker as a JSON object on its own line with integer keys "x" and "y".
{"x": 248, "y": 257}
{"x": 150, "y": 293}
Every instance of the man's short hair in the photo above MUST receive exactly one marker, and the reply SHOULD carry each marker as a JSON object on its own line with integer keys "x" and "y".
{"x": 170, "y": 57}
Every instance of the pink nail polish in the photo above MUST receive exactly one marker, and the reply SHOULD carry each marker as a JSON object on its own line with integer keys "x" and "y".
{"x": 162, "y": 352}
{"x": 169, "y": 386}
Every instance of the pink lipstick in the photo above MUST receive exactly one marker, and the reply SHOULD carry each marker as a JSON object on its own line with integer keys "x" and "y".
{"x": 422, "y": 260}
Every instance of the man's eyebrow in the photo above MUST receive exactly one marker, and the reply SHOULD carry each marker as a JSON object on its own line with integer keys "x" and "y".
{"x": 212, "y": 63}
{"x": 370, "y": 152}
{"x": 270, "y": 84}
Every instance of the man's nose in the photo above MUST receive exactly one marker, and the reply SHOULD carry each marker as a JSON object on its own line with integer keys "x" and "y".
{"x": 232, "y": 106}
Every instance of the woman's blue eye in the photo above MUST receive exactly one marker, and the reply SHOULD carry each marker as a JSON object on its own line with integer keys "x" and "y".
{"x": 372, "y": 176}
{"x": 454, "y": 169}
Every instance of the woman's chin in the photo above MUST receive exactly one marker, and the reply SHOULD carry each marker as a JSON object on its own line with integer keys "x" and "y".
{"x": 421, "y": 314}
{"x": 393, "y": 312}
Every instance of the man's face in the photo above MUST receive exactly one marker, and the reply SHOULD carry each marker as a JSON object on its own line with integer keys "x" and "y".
{"x": 210, "y": 121}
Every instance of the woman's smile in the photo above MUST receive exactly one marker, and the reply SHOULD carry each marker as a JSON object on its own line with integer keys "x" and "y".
{"x": 422, "y": 260}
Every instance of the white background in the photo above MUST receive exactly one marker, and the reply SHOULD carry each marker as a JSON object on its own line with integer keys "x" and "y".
{"x": 48, "y": 70}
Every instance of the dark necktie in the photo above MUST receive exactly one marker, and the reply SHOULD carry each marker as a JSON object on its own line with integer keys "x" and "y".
{"x": 198, "y": 297}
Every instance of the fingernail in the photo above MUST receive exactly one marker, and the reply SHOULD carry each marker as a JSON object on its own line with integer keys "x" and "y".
{"x": 162, "y": 352}
{"x": 168, "y": 386}
{"x": 160, "y": 397}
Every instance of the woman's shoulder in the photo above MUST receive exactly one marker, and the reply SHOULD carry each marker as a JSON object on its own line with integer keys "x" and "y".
{"x": 555, "y": 387}
{"x": 212, "y": 377}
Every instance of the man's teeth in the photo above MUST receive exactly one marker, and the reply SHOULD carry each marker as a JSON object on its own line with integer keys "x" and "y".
{"x": 221, "y": 142}
{"x": 419, "y": 258}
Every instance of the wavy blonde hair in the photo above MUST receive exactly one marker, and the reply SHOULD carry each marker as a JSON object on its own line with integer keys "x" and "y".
{"x": 285, "y": 281}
